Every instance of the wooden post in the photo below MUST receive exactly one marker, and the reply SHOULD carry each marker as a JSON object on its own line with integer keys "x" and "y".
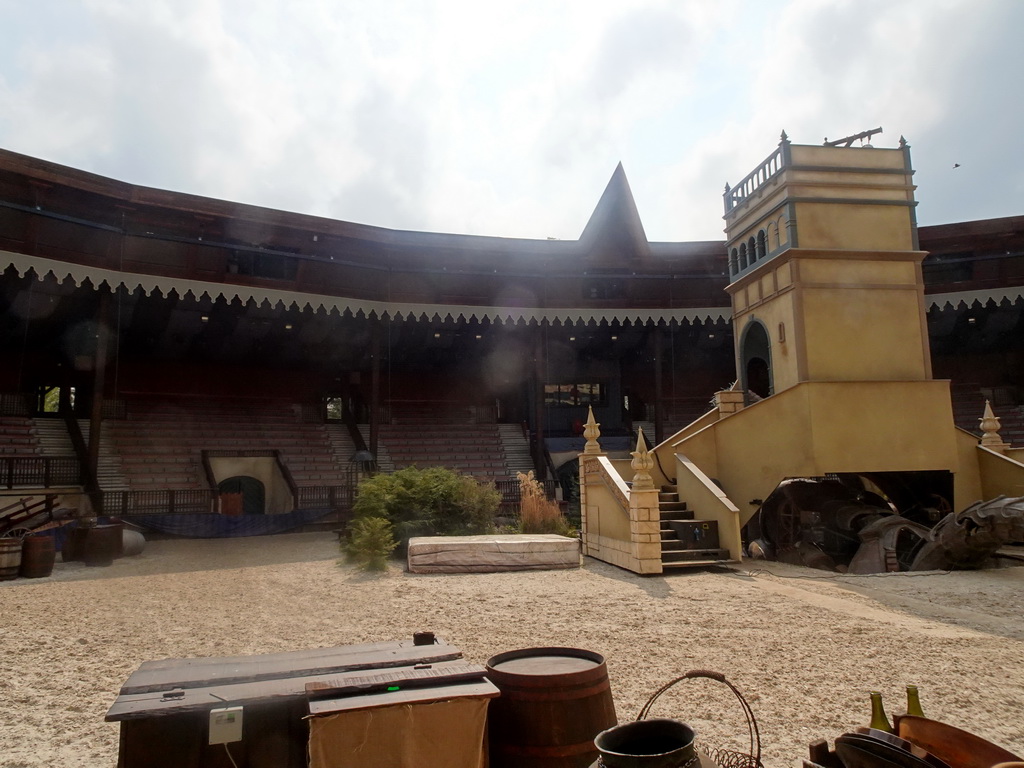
{"x": 659, "y": 394}
{"x": 374, "y": 385}
{"x": 99, "y": 382}
{"x": 539, "y": 375}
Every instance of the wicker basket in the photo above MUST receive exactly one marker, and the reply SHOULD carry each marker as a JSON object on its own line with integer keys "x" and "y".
{"x": 725, "y": 758}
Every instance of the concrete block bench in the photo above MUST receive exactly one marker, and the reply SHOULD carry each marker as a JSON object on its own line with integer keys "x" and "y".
{"x": 491, "y": 553}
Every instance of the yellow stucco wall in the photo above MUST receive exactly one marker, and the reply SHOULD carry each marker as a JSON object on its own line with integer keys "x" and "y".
{"x": 1000, "y": 475}
{"x": 784, "y": 354}
{"x": 605, "y": 516}
{"x": 821, "y": 427}
{"x": 852, "y": 226}
{"x": 967, "y": 482}
{"x": 864, "y": 334}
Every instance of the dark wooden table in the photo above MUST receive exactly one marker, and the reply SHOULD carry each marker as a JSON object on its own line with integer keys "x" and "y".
{"x": 164, "y": 706}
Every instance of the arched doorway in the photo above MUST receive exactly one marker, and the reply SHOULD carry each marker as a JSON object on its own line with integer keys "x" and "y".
{"x": 244, "y": 494}
{"x": 756, "y": 360}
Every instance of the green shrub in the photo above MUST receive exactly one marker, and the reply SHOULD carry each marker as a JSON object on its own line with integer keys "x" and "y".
{"x": 428, "y": 502}
{"x": 372, "y": 541}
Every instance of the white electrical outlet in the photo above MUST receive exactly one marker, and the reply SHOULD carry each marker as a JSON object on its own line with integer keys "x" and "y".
{"x": 225, "y": 725}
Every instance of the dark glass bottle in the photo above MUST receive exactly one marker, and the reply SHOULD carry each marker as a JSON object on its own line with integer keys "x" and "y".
{"x": 879, "y": 721}
{"x": 913, "y": 702}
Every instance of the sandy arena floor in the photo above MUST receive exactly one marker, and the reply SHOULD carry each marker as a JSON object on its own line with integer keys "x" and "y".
{"x": 804, "y": 646}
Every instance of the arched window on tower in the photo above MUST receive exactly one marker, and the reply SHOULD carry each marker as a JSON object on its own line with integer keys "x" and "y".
{"x": 743, "y": 255}
{"x": 762, "y": 250}
{"x": 756, "y": 359}
{"x": 752, "y": 250}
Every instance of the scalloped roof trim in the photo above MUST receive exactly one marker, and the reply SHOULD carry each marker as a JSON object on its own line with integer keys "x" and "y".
{"x": 163, "y": 286}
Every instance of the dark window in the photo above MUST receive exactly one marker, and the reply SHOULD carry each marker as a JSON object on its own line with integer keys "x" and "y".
{"x": 334, "y": 408}
{"x": 604, "y": 289}
{"x": 948, "y": 268}
{"x": 48, "y": 399}
{"x": 256, "y": 264}
{"x": 574, "y": 394}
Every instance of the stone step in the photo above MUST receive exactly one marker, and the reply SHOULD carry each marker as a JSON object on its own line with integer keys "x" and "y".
{"x": 668, "y": 532}
{"x": 692, "y": 556}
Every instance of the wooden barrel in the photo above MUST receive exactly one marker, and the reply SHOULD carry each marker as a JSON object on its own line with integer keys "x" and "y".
{"x": 37, "y": 556}
{"x": 73, "y": 548}
{"x": 553, "y": 702}
{"x": 10, "y": 557}
{"x": 103, "y": 543}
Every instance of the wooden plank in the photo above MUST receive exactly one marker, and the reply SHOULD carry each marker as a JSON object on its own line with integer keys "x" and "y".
{"x": 308, "y": 653}
{"x": 484, "y": 689}
{"x": 403, "y": 677}
{"x": 202, "y": 699}
{"x": 200, "y": 673}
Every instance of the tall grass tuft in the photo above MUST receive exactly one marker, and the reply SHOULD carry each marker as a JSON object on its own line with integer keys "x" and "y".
{"x": 538, "y": 513}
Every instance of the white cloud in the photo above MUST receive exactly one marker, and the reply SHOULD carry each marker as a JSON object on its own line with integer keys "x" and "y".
{"x": 452, "y": 115}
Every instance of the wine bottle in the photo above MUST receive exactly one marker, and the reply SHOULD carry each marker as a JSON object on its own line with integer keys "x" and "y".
{"x": 913, "y": 702}
{"x": 879, "y": 721}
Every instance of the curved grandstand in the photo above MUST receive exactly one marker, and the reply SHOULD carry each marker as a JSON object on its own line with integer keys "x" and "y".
{"x": 167, "y": 353}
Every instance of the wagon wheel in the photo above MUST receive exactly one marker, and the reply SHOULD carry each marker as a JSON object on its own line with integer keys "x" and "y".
{"x": 17, "y": 533}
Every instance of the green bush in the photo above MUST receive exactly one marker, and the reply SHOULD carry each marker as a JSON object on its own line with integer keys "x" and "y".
{"x": 428, "y": 502}
{"x": 372, "y": 540}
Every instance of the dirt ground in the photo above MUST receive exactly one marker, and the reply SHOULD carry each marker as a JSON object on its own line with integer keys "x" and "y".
{"x": 804, "y": 646}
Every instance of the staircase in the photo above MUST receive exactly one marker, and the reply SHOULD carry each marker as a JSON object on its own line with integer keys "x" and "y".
{"x": 517, "y": 449}
{"x": 54, "y": 441}
{"x": 647, "y": 427}
{"x": 342, "y": 447}
{"x": 384, "y": 463}
{"x": 685, "y": 540}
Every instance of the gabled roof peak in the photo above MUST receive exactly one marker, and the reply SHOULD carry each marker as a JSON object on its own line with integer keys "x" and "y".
{"x": 615, "y": 232}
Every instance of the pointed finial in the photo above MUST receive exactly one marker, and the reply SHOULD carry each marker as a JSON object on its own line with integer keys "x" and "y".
{"x": 727, "y": 187}
{"x": 642, "y": 464}
{"x": 783, "y": 138}
{"x": 591, "y": 432}
{"x": 990, "y": 430}
{"x": 903, "y": 142}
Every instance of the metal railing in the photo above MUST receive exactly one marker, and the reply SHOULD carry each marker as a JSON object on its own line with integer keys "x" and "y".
{"x": 511, "y": 494}
{"x": 39, "y": 471}
{"x": 167, "y": 501}
{"x": 768, "y": 168}
{"x": 14, "y": 404}
{"x": 337, "y": 497}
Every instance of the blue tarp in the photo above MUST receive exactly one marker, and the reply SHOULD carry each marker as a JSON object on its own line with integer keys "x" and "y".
{"x": 225, "y": 526}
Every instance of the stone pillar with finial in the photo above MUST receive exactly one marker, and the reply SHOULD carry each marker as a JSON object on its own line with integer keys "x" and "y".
{"x": 990, "y": 431}
{"x": 644, "y": 512}
{"x": 591, "y": 432}
{"x": 591, "y": 451}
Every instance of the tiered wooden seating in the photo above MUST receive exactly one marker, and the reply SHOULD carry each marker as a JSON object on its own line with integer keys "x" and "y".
{"x": 471, "y": 449}
{"x": 18, "y": 436}
{"x": 160, "y": 443}
{"x": 434, "y": 413}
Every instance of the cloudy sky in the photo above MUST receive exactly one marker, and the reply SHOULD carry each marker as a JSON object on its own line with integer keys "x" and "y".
{"x": 508, "y": 118}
